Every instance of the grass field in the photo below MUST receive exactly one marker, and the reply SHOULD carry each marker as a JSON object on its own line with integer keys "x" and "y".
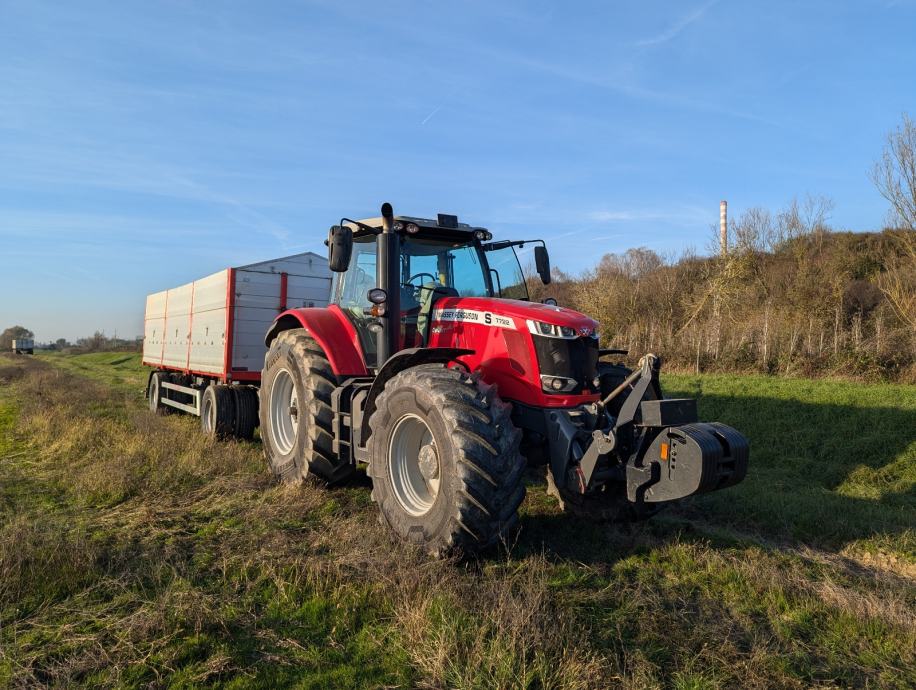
{"x": 133, "y": 552}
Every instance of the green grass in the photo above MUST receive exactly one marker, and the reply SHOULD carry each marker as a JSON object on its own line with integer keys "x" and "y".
{"x": 135, "y": 553}
{"x": 116, "y": 369}
{"x": 833, "y": 462}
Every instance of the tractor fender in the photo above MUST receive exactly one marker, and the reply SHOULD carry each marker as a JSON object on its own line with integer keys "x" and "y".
{"x": 398, "y": 362}
{"x": 333, "y": 332}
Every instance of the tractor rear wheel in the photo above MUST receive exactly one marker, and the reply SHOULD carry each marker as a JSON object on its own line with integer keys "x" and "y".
{"x": 444, "y": 461}
{"x": 295, "y": 410}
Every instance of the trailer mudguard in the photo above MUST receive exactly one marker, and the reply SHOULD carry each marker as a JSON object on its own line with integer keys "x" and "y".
{"x": 332, "y": 330}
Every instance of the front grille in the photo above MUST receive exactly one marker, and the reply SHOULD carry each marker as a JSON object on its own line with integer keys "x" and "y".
{"x": 573, "y": 358}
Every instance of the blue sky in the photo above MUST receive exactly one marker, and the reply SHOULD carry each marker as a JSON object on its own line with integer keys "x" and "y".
{"x": 144, "y": 144}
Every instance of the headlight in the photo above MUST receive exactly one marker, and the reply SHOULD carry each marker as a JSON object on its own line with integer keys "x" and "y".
{"x": 550, "y": 330}
{"x": 557, "y": 384}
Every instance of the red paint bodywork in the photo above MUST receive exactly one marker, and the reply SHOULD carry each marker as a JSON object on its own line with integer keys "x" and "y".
{"x": 336, "y": 335}
{"x": 505, "y": 355}
{"x": 502, "y": 355}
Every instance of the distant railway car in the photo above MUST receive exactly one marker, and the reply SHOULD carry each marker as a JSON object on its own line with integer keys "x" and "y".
{"x": 24, "y": 346}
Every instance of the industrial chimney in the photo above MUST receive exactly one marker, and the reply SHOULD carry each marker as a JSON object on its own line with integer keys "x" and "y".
{"x": 723, "y": 227}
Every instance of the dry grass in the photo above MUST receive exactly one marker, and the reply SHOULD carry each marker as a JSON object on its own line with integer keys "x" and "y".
{"x": 134, "y": 552}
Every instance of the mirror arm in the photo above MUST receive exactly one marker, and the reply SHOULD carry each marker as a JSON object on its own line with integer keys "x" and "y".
{"x": 504, "y": 244}
{"x": 361, "y": 226}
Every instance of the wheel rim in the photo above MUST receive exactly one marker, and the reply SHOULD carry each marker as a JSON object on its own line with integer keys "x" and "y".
{"x": 154, "y": 393}
{"x": 413, "y": 465}
{"x": 284, "y": 412}
{"x": 206, "y": 414}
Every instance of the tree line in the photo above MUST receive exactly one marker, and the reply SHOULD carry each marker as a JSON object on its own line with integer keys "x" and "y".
{"x": 791, "y": 296}
{"x": 97, "y": 342}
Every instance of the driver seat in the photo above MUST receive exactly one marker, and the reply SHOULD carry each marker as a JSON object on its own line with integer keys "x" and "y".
{"x": 430, "y": 293}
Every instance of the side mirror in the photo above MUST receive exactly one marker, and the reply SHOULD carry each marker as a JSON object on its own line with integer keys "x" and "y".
{"x": 340, "y": 247}
{"x": 542, "y": 263}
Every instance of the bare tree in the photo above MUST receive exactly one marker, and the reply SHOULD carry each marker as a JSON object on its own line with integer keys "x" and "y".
{"x": 895, "y": 177}
{"x": 895, "y": 174}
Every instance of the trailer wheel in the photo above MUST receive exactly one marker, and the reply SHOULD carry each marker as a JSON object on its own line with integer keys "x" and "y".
{"x": 444, "y": 460}
{"x": 154, "y": 393}
{"x": 217, "y": 411}
{"x": 246, "y": 408}
{"x": 295, "y": 410}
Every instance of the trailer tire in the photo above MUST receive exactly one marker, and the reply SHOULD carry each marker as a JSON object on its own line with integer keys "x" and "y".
{"x": 469, "y": 487}
{"x": 295, "y": 411}
{"x": 246, "y": 411}
{"x": 154, "y": 393}
{"x": 218, "y": 411}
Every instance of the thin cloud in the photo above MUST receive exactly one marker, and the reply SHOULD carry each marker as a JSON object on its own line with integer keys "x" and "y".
{"x": 678, "y": 27}
{"x": 688, "y": 214}
{"x": 430, "y": 116}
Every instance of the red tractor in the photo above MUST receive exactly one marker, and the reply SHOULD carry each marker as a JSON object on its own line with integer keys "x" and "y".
{"x": 432, "y": 368}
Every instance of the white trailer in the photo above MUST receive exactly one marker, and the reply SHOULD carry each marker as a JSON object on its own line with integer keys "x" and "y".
{"x": 205, "y": 340}
{"x": 24, "y": 346}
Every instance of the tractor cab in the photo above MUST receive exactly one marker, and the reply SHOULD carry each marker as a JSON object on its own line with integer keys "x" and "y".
{"x": 435, "y": 259}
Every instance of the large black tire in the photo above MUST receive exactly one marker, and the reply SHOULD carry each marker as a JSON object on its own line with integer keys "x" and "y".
{"x": 218, "y": 412}
{"x": 609, "y": 377}
{"x": 246, "y": 412}
{"x": 475, "y": 454}
{"x": 609, "y": 503}
{"x": 308, "y": 447}
{"x": 155, "y": 393}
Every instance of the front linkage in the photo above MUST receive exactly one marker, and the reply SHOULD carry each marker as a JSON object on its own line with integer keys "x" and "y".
{"x": 655, "y": 447}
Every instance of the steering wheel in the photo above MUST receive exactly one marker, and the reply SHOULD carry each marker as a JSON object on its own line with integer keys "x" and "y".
{"x": 420, "y": 275}
{"x": 419, "y": 288}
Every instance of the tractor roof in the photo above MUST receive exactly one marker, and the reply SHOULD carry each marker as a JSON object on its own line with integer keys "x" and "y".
{"x": 445, "y": 227}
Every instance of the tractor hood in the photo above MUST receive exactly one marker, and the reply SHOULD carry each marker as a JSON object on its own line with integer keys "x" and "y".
{"x": 513, "y": 313}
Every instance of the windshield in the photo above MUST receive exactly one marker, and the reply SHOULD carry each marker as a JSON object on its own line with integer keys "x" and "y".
{"x": 454, "y": 268}
{"x": 423, "y": 263}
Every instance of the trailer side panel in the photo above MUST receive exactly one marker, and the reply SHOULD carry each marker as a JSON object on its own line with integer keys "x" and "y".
{"x": 197, "y": 327}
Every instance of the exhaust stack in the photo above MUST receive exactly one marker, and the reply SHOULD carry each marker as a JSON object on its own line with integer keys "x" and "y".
{"x": 388, "y": 253}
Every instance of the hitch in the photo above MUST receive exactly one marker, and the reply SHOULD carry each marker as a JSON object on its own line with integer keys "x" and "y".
{"x": 656, "y": 447}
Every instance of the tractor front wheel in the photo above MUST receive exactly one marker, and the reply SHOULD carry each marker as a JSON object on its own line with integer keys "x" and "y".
{"x": 608, "y": 503}
{"x": 444, "y": 461}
